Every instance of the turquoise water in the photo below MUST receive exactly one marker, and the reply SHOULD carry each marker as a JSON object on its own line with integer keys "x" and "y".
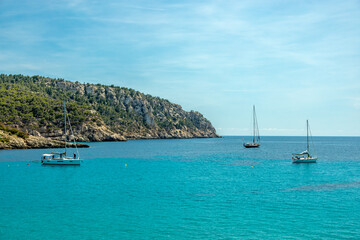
{"x": 185, "y": 189}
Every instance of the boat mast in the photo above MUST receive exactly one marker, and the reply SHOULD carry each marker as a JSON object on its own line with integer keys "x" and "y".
{"x": 307, "y": 135}
{"x": 257, "y": 129}
{"x": 254, "y": 124}
{"x": 65, "y": 124}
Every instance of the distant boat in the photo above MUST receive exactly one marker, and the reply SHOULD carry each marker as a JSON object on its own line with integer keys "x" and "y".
{"x": 61, "y": 158}
{"x": 305, "y": 156}
{"x": 256, "y": 136}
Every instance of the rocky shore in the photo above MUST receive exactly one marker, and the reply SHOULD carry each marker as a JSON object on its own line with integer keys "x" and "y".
{"x": 13, "y": 142}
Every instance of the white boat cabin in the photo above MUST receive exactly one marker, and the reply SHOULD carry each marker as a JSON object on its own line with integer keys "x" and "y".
{"x": 59, "y": 159}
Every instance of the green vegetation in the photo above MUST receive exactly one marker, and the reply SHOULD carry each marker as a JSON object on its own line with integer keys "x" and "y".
{"x": 12, "y": 131}
{"x": 25, "y": 108}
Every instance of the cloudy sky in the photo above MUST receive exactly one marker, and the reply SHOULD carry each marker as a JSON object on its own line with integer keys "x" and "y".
{"x": 295, "y": 60}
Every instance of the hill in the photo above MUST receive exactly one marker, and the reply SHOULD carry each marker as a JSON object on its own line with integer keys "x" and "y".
{"x": 34, "y": 105}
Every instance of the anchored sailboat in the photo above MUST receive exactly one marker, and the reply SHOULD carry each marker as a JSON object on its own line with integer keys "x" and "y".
{"x": 61, "y": 158}
{"x": 256, "y": 136}
{"x": 305, "y": 156}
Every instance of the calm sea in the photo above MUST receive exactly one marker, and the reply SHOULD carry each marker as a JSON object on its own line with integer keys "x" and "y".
{"x": 185, "y": 189}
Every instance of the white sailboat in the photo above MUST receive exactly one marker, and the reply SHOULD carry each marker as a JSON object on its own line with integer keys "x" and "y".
{"x": 61, "y": 158}
{"x": 256, "y": 136}
{"x": 305, "y": 156}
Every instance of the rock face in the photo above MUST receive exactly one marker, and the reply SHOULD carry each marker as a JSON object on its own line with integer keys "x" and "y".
{"x": 97, "y": 112}
{"x": 14, "y": 142}
{"x": 93, "y": 133}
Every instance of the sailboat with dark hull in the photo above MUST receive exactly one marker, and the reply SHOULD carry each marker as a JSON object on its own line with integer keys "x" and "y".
{"x": 305, "y": 156}
{"x": 256, "y": 136}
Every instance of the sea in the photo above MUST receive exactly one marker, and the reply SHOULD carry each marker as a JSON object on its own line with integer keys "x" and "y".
{"x": 184, "y": 189}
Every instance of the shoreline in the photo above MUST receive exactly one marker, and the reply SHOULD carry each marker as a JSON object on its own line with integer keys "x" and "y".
{"x": 47, "y": 143}
{"x": 10, "y": 142}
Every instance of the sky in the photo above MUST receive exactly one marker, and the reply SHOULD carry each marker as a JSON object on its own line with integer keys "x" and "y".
{"x": 293, "y": 60}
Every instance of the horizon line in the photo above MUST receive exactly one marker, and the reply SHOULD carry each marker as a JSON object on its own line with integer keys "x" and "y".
{"x": 287, "y": 136}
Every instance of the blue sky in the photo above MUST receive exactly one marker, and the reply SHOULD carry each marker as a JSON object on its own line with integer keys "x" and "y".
{"x": 295, "y": 60}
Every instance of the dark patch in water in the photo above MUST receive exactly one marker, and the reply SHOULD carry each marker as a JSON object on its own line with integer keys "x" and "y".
{"x": 243, "y": 163}
{"x": 326, "y": 187}
{"x": 203, "y": 195}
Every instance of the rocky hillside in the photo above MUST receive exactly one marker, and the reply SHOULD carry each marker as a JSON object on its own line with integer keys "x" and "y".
{"x": 97, "y": 112}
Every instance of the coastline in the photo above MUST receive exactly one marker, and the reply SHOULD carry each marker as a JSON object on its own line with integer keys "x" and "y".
{"x": 33, "y": 142}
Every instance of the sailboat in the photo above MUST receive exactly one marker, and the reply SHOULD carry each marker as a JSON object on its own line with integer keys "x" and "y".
{"x": 305, "y": 156}
{"x": 61, "y": 158}
{"x": 256, "y": 136}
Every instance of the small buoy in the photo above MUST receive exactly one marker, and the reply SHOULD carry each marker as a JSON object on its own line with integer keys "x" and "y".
{"x": 125, "y": 165}
{"x": 252, "y": 167}
{"x": 27, "y": 164}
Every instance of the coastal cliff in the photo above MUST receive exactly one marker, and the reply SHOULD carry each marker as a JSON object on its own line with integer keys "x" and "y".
{"x": 34, "y": 105}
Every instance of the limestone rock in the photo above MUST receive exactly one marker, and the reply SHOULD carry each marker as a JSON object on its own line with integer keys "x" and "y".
{"x": 14, "y": 142}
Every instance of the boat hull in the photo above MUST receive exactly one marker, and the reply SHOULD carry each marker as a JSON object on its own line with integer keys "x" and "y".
{"x": 251, "y": 145}
{"x": 61, "y": 162}
{"x": 304, "y": 160}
